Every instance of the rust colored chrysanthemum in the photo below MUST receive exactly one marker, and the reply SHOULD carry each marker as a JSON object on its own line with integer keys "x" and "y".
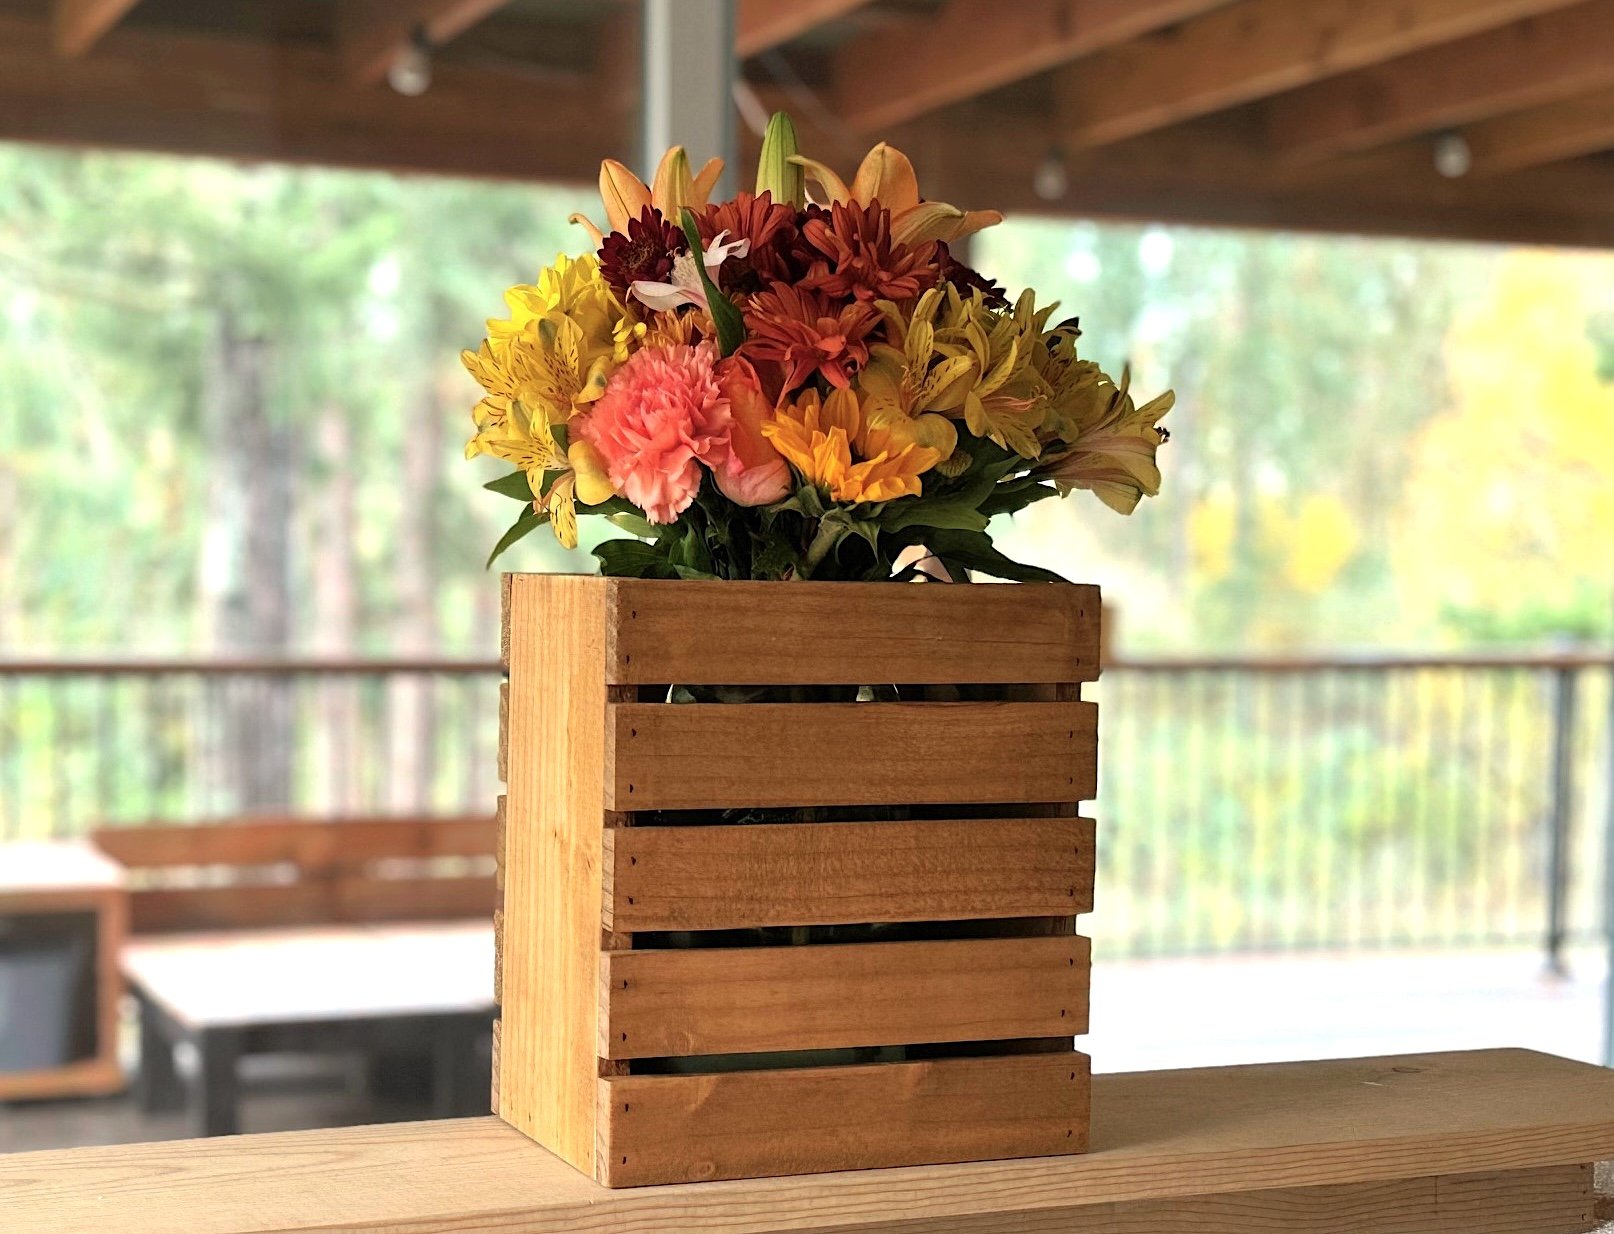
{"x": 645, "y": 252}
{"x": 856, "y": 256}
{"x": 968, "y": 279}
{"x": 768, "y": 225}
{"x": 804, "y": 333}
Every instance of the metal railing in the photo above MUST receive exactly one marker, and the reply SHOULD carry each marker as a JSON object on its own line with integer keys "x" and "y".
{"x": 1244, "y": 804}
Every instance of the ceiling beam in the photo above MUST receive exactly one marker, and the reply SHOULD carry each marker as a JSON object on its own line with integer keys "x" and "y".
{"x": 973, "y": 46}
{"x": 1254, "y": 49}
{"x": 1527, "y": 64}
{"x": 1216, "y": 172}
{"x": 150, "y": 89}
{"x": 764, "y": 24}
{"x": 1543, "y": 135}
{"x": 81, "y": 23}
{"x": 371, "y": 33}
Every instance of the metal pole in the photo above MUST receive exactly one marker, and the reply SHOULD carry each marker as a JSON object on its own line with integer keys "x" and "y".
{"x": 689, "y": 72}
{"x": 1563, "y": 770}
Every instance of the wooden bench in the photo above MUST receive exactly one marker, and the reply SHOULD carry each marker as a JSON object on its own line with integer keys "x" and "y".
{"x": 1492, "y": 1141}
{"x": 269, "y": 935}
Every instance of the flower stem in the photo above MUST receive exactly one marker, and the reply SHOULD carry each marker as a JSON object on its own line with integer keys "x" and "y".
{"x": 829, "y": 535}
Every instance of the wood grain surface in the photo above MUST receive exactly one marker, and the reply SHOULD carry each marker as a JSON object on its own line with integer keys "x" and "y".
{"x": 730, "y": 877}
{"x": 715, "y": 755}
{"x": 554, "y": 820}
{"x": 1170, "y": 1135}
{"x": 741, "y": 633}
{"x": 729, "y": 1000}
{"x": 671, "y": 1129}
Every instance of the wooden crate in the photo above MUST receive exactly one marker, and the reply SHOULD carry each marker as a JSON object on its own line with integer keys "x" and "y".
{"x": 939, "y": 832}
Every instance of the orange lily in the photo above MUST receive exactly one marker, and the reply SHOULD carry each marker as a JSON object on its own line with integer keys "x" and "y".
{"x": 672, "y": 188}
{"x": 886, "y": 175}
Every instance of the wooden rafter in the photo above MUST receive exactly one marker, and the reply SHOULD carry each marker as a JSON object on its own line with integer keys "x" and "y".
{"x": 1527, "y": 64}
{"x": 1218, "y": 172}
{"x": 1543, "y": 135}
{"x": 1254, "y": 49}
{"x": 81, "y": 23}
{"x": 974, "y": 46}
{"x": 765, "y": 24}
{"x": 140, "y": 91}
{"x": 371, "y": 33}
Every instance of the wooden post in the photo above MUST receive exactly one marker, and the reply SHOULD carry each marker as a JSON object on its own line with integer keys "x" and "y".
{"x": 688, "y": 98}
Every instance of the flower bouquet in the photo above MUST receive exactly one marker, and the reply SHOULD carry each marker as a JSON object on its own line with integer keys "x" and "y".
{"x": 803, "y": 382}
{"x": 839, "y": 915}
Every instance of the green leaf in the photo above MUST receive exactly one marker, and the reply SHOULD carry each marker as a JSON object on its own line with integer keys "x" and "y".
{"x": 529, "y": 521}
{"x": 776, "y": 174}
{"x": 513, "y": 485}
{"x": 632, "y": 559}
{"x": 1016, "y": 496}
{"x": 956, "y": 512}
{"x": 730, "y": 325}
{"x": 974, "y": 551}
{"x": 632, "y": 522}
{"x": 562, "y": 434}
{"x": 805, "y": 501}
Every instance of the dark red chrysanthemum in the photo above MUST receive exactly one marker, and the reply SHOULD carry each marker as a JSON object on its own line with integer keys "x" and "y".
{"x": 645, "y": 252}
{"x": 806, "y": 333}
{"x": 770, "y": 227}
{"x": 856, "y": 256}
{"x": 968, "y": 279}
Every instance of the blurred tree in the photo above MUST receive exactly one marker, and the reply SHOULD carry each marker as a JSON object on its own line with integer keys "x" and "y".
{"x": 1509, "y": 509}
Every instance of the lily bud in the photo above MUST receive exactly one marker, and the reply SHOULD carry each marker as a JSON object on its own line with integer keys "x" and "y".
{"x": 674, "y": 185}
{"x": 777, "y": 171}
{"x": 624, "y": 194}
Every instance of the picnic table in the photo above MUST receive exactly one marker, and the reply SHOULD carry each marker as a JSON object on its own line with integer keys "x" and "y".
{"x": 270, "y": 935}
{"x": 424, "y": 986}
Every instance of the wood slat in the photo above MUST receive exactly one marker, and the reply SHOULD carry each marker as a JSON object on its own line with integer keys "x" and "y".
{"x": 1240, "y": 52}
{"x": 741, "y": 633}
{"x": 765, "y": 24}
{"x": 725, "y": 1000}
{"x": 165, "y": 909}
{"x": 972, "y": 47}
{"x": 660, "y": 1129}
{"x": 370, "y": 33}
{"x": 731, "y": 877}
{"x": 1542, "y": 135}
{"x": 81, "y": 23}
{"x": 554, "y": 824}
{"x": 308, "y": 843}
{"x": 715, "y": 755}
{"x": 1527, "y": 64}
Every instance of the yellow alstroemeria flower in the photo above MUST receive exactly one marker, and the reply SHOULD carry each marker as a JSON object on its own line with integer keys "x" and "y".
{"x": 571, "y": 290}
{"x": 1112, "y": 443}
{"x": 886, "y": 175}
{"x": 832, "y": 446}
{"x": 1006, "y": 399}
{"x": 673, "y": 187}
{"x": 910, "y": 386}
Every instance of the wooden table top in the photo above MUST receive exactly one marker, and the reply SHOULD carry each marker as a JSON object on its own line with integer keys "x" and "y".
{"x": 1156, "y": 1135}
{"x": 295, "y": 975}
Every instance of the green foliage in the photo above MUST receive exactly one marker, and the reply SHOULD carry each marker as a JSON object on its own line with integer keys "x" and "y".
{"x": 526, "y": 523}
{"x": 725, "y": 316}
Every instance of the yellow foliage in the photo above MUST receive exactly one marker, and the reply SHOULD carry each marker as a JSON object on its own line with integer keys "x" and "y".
{"x": 1512, "y": 492}
{"x": 1322, "y": 540}
{"x": 1212, "y": 530}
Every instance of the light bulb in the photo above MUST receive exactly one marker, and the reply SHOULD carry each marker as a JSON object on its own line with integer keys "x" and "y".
{"x": 1453, "y": 158}
{"x": 410, "y": 72}
{"x": 1051, "y": 178}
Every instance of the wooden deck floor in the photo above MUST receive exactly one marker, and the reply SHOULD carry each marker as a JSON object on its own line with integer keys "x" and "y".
{"x": 1147, "y": 1014}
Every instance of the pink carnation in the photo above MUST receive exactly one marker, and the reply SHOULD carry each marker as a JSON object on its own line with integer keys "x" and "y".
{"x": 661, "y": 416}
